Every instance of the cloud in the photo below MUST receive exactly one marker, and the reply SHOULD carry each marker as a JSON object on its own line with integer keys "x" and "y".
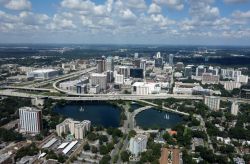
{"x": 154, "y": 8}
{"x": 241, "y": 15}
{"x": 128, "y": 20}
{"x": 203, "y": 10}
{"x": 30, "y": 18}
{"x": 236, "y": 1}
{"x": 17, "y": 4}
{"x": 173, "y": 4}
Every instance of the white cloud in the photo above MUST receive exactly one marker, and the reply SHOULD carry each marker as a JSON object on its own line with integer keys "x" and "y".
{"x": 78, "y": 4}
{"x": 236, "y": 1}
{"x": 161, "y": 20}
{"x": 30, "y": 18}
{"x": 173, "y": 4}
{"x": 17, "y": 4}
{"x": 154, "y": 8}
{"x": 127, "y": 19}
{"x": 127, "y": 15}
{"x": 202, "y": 10}
{"x": 135, "y": 4}
{"x": 60, "y": 23}
{"x": 241, "y": 15}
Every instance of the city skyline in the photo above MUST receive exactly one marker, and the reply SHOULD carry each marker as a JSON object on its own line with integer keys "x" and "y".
{"x": 170, "y": 22}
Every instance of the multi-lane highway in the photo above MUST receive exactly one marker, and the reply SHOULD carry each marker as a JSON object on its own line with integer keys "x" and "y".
{"x": 106, "y": 97}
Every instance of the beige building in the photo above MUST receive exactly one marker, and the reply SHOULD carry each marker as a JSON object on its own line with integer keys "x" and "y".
{"x": 212, "y": 102}
{"x": 76, "y": 128}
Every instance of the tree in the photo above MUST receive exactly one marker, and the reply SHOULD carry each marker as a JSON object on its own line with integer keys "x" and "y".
{"x": 110, "y": 146}
{"x": 27, "y": 151}
{"x": 86, "y": 147}
{"x": 105, "y": 159}
{"x": 132, "y": 133}
{"x": 92, "y": 136}
{"x": 103, "y": 150}
{"x": 125, "y": 156}
{"x": 94, "y": 149}
{"x": 103, "y": 138}
{"x": 10, "y": 135}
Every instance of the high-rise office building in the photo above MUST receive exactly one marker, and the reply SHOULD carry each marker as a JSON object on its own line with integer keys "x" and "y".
{"x": 158, "y": 55}
{"x": 136, "y": 55}
{"x": 110, "y": 76}
{"x": 179, "y": 66}
{"x": 212, "y": 102}
{"x": 200, "y": 70}
{"x": 109, "y": 64}
{"x": 137, "y": 63}
{"x": 99, "y": 79}
{"x": 124, "y": 70}
{"x": 188, "y": 71}
{"x": 158, "y": 62}
{"x": 171, "y": 59}
{"x": 136, "y": 73}
{"x": 138, "y": 144}
{"x": 101, "y": 65}
{"x": 143, "y": 66}
{"x": 30, "y": 120}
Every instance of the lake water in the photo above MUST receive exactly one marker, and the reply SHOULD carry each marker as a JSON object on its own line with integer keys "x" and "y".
{"x": 107, "y": 115}
{"x": 103, "y": 114}
{"x": 153, "y": 118}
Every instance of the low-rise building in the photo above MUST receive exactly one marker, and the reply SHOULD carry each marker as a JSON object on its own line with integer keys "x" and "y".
{"x": 142, "y": 88}
{"x": 43, "y": 74}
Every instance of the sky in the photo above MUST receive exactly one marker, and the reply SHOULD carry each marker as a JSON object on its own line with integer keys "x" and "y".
{"x": 166, "y": 22}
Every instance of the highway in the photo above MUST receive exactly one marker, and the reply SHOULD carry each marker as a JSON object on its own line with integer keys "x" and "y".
{"x": 68, "y": 77}
{"x": 106, "y": 97}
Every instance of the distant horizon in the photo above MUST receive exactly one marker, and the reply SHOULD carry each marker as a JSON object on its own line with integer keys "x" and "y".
{"x": 127, "y": 44}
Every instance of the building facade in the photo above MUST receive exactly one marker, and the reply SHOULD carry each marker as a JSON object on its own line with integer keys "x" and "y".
{"x": 99, "y": 79}
{"x": 76, "y": 128}
{"x": 212, "y": 102}
{"x": 138, "y": 144}
{"x": 30, "y": 120}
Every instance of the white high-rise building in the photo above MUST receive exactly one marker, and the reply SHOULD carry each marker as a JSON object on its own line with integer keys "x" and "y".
{"x": 212, "y": 102}
{"x": 143, "y": 66}
{"x": 136, "y": 55}
{"x": 30, "y": 120}
{"x": 242, "y": 79}
{"x": 119, "y": 79}
{"x": 99, "y": 79}
{"x": 138, "y": 144}
{"x": 109, "y": 64}
{"x": 234, "y": 108}
{"x": 124, "y": 70}
{"x": 158, "y": 55}
{"x": 200, "y": 70}
{"x": 230, "y": 73}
